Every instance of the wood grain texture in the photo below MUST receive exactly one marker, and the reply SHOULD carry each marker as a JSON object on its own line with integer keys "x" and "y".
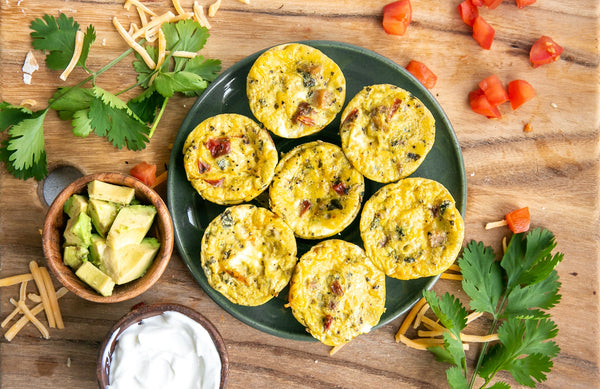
{"x": 553, "y": 170}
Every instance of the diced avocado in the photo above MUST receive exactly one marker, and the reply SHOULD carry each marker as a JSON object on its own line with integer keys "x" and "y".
{"x": 95, "y": 278}
{"x": 110, "y": 192}
{"x": 103, "y": 214}
{"x": 74, "y": 256}
{"x": 78, "y": 231}
{"x": 130, "y": 226}
{"x": 75, "y": 205}
{"x": 97, "y": 247}
{"x": 130, "y": 262}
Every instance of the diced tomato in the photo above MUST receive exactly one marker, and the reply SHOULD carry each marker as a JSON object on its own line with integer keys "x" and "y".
{"x": 397, "y": 17}
{"x": 340, "y": 188}
{"x": 468, "y": 12}
{"x": 144, "y": 172}
{"x": 518, "y": 220}
{"x": 304, "y": 206}
{"x": 524, "y": 3}
{"x": 481, "y": 105}
{"x": 544, "y": 51}
{"x": 520, "y": 92}
{"x": 478, "y": 3}
{"x": 216, "y": 183}
{"x": 483, "y": 33}
{"x": 422, "y": 73}
{"x": 218, "y": 146}
{"x": 494, "y": 91}
{"x": 203, "y": 167}
{"x": 492, "y": 4}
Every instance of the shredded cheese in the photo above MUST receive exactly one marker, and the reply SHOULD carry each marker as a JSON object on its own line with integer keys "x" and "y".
{"x": 213, "y": 8}
{"x": 451, "y": 276}
{"x": 473, "y": 316}
{"x": 10, "y": 317}
{"x": 335, "y": 349}
{"x": 156, "y": 21}
{"x": 200, "y": 16}
{"x": 38, "y": 324}
{"x": 34, "y": 297}
{"x": 139, "y": 5}
{"x": 28, "y": 103}
{"x": 454, "y": 267}
{"x": 178, "y": 7}
{"x": 409, "y": 318}
{"x": 133, "y": 44}
{"x": 499, "y": 223}
{"x": 76, "y": 54}
{"x": 244, "y": 1}
{"x": 420, "y": 315}
{"x": 162, "y": 48}
{"x": 39, "y": 282}
{"x": 13, "y": 280}
{"x": 143, "y": 17}
{"x": 432, "y": 325}
{"x": 132, "y": 28}
{"x": 186, "y": 54}
{"x": 160, "y": 179}
{"x": 52, "y": 298}
{"x": 504, "y": 245}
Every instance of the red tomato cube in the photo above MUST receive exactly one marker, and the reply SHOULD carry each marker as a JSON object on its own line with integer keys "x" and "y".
{"x": 468, "y": 12}
{"x": 397, "y": 17}
{"x": 524, "y": 3}
{"x": 144, "y": 172}
{"x": 481, "y": 105}
{"x": 544, "y": 51}
{"x": 483, "y": 33}
{"x": 494, "y": 90}
{"x": 520, "y": 92}
{"x": 422, "y": 73}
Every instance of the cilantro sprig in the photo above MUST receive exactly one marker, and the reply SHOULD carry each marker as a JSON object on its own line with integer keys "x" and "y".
{"x": 517, "y": 292}
{"x": 91, "y": 109}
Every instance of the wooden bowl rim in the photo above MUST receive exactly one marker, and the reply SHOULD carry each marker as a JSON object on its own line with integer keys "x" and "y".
{"x": 149, "y": 310}
{"x": 51, "y": 239}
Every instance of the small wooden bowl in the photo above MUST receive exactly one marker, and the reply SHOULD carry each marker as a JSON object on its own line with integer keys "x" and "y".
{"x": 56, "y": 220}
{"x": 145, "y": 311}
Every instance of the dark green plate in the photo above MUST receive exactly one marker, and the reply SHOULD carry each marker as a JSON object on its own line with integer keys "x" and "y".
{"x": 227, "y": 94}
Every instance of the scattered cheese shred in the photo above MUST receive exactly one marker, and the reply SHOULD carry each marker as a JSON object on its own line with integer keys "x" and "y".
{"x": 160, "y": 179}
{"x": 178, "y": 7}
{"x": 34, "y": 297}
{"x": 39, "y": 282}
{"x": 420, "y": 315}
{"x": 213, "y": 8}
{"x": 10, "y": 317}
{"x": 139, "y": 5}
{"x": 76, "y": 54}
{"x": 200, "y": 16}
{"x": 143, "y": 17}
{"x": 13, "y": 280}
{"x": 473, "y": 316}
{"x": 450, "y": 276}
{"x": 244, "y": 1}
{"x": 28, "y": 103}
{"x": 156, "y": 21}
{"x": 133, "y": 44}
{"x": 432, "y": 325}
{"x": 162, "y": 48}
{"x": 186, "y": 54}
{"x": 335, "y": 349}
{"x": 31, "y": 317}
{"x": 52, "y": 298}
{"x": 504, "y": 245}
{"x": 132, "y": 28}
{"x": 499, "y": 223}
{"x": 454, "y": 267}
{"x": 409, "y": 318}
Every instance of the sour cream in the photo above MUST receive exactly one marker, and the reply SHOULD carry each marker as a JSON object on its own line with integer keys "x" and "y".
{"x": 165, "y": 351}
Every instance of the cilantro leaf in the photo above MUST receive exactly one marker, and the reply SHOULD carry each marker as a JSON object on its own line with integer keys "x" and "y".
{"x": 523, "y": 299}
{"x": 67, "y": 101}
{"x": 167, "y": 84}
{"x": 38, "y": 171}
{"x": 500, "y": 385}
{"x": 456, "y": 379}
{"x": 81, "y": 123}
{"x": 26, "y": 142}
{"x": 449, "y": 310}
{"x": 12, "y": 114}
{"x": 525, "y": 350}
{"x": 146, "y": 104}
{"x": 57, "y": 36}
{"x": 452, "y": 352}
{"x": 110, "y": 117}
{"x": 186, "y": 35}
{"x": 144, "y": 72}
{"x": 206, "y": 68}
{"x": 482, "y": 277}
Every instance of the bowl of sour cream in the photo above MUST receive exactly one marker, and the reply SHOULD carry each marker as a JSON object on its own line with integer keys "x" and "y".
{"x": 163, "y": 346}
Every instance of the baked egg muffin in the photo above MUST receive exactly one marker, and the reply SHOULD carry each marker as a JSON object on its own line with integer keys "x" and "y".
{"x": 316, "y": 190}
{"x": 248, "y": 254}
{"x": 229, "y": 159}
{"x": 295, "y": 90}
{"x": 412, "y": 229}
{"x": 336, "y": 292}
{"x": 386, "y": 132}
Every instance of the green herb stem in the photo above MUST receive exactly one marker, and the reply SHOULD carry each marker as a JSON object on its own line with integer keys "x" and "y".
{"x": 157, "y": 119}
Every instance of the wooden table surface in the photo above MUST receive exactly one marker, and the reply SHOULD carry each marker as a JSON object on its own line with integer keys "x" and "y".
{"x": 552, "y": 169}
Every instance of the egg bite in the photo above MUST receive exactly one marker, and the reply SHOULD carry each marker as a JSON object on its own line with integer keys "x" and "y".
{"x": 248, "y": 254}
{"x": 229, "y": 159}
{"x": 412, "y": 229}
{"x": 316, "y": 190}
{"x": 336, "y": 292}
{"x": 386, "y": 132}
{"x": 295, "y": 90}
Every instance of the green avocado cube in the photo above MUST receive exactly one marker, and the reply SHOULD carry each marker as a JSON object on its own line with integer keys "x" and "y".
{"x": 78, "y": 231}
{"x": 103, "y": 214}
{"x": 75, "y": 205}
{"x": 95, "y": 278}
{"x": 74, "y": 256}
{"x": 110, "y": 192}
{"x": 96, "y": 249}
{"x": 130, "y": 262}
{"x": 130, "y": 226}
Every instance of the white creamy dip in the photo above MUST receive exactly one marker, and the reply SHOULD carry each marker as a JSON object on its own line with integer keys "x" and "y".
{"x": 165, "y": 351}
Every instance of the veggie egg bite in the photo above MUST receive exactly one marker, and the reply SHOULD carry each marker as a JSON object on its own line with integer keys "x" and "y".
{"x": 386, "y": 132}
{"x": 229, "y": 159}
{"x": 248, "y": 254}
{"x": 336, "y": 292}
{"x": 316, "y": 190}
{"x": 412, "y": 229}
{"x": 295, "y": 90}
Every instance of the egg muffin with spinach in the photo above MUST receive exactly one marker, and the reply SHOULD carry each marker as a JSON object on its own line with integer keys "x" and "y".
{"x": 295, "y": 90}
{"x": 248, "y": 254}
{"x": 412, "y": 229}
{"x": 229, "y": 159}
{"x": 336, "y": 292}
{"x": 316, "y": 190}
{"x": 386, "y": 132}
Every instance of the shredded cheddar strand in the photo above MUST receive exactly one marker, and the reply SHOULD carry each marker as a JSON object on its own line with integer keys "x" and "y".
{"x": 76, "y": 54}
{"x": 451, "y": 276}
{"x": 31, "y": 317}
{"x": 39, "y": 283}
{"x": 410, "y": 317}
{"x": 13, "y": 280}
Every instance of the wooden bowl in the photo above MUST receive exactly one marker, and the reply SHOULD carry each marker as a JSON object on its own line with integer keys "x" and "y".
{"x": 56, "y": 220}
{"x": 138, "y": 314}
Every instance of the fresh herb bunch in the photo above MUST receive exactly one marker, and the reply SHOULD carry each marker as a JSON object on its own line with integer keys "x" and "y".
{"x": 128, "y": 124}
{"x": 516, "y": 291}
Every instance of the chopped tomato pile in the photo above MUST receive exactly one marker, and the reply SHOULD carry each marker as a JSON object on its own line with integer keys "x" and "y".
{"x": 144, "y": 172}
{"x": 491, "y": 93}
